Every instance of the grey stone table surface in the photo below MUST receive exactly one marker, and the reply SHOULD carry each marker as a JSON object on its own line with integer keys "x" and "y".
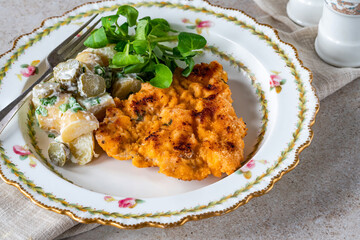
{"x": 320, "y": 199}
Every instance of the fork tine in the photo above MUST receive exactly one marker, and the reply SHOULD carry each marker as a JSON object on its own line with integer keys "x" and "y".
{"x": 77, "y": 44}
{"x": 72, "y": 36}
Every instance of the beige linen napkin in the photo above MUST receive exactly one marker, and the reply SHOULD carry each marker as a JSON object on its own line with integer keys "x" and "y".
{"x": 22, "y": 219}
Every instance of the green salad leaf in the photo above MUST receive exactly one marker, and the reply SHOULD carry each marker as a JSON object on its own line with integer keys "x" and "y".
{"x": 109, "y": 21}
{"x": 130, "y": 13}
{"x": 188, "y": 42}
{"x": 146, "y": 46}
{"x": 123, "y": 59}
{"x": 120, "y": 46}
{"x": 140, "y": 46}
{"x": 190, "y": 66}
{"x": 97, "y": 39}
{"x": 142, "y": 29}
{"x": 163, "y": 76}
{"x": 159, "y": 27}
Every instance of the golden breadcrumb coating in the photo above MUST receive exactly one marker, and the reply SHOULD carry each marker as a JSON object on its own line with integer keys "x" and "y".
{"x": 189, "y": 130}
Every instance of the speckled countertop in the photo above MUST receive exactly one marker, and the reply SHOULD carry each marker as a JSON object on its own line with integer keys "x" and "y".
{"x": 320, "y": 199}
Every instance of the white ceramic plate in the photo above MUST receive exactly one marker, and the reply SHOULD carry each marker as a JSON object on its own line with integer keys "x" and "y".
{"x": 271, "y": 90}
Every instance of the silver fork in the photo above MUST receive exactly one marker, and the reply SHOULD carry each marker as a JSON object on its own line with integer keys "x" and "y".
{"x": 65, "y": 50}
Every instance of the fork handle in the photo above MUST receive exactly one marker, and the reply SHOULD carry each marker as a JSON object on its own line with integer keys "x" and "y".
{"x": 10, "y": 110}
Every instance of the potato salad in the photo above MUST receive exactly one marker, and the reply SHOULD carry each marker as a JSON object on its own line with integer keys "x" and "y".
{"x": 71, "y": 103}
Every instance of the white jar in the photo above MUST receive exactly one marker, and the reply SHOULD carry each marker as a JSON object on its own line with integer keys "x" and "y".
{"x": 338, "y": 39}
{"x": 305, "y": 12}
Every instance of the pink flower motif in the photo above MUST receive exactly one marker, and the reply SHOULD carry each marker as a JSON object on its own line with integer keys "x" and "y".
{"x": 19, "y": 150}
{"x": 185, "y": 20}
{"x": 127, "y": 203}
{"x": 29, "y": 71}
{"x": 275, "y": 80}
{"x": 248, "y": 166}
{"x": 204, "y": 24}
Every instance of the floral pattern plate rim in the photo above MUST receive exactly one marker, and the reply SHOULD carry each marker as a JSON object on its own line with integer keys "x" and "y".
{"x": 288, "y": 101}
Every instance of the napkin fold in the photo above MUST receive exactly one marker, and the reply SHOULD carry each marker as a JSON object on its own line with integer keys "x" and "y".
{"x": 22, "y": 219}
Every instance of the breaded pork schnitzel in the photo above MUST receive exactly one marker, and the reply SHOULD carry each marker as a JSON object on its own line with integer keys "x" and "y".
{"x": 189, "y": 130}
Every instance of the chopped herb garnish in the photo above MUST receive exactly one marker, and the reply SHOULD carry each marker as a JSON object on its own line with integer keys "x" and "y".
{"x": 49, "y": 101}
{"x": 72, "y": 101}
{"x": 145, "y": 51}
{"x": 93, "y": 101}
{"x": 99, "y": 71}
{"x": 51, "y": 135}
{"x": 169, "y": 123}
{"x": 73, "y": 105}
{"x": 40, "y": 110}
{"x": 64, "y": 107}
{"x": 77, "y": 107}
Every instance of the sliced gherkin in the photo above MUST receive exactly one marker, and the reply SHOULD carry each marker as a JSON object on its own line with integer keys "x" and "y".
{"x": 106, "y": 73}
{"x": 66, "y": 73}
{"x": 125, "y": 85}
{"x": 58, "y": 153}
{"x": 91, "y": 85}
{"x": 44, "y": 90}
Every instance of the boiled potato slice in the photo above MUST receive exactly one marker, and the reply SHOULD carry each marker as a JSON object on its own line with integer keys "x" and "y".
{"x": 106, "y": 53}
{"x": 91, "y": 85}
{"x": 66, "y": 73}
{"x": 90, "y": 59}
{"x": 58, "y": 153}
{"x": 44, "y": 90}
{"x": 82, "y": 149}
{"x": 124, "y": 86}
{"x": 97, "y": 105}
{"x": 75, "y": 124}
{"x": 52, "y": 121}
